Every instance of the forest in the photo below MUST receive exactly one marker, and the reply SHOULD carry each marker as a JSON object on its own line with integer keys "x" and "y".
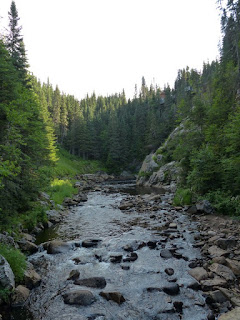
{"x": 37, "y": 119}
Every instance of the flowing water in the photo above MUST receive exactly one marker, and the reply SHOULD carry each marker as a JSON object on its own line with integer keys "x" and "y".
{"x": 141, "y": 282}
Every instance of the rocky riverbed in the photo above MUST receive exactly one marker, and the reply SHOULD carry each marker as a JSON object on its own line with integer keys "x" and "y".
{"x": 117, "y": 256}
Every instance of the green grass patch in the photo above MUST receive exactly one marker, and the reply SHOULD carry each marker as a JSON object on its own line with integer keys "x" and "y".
{"x": 61, "y": 189}
{"x": 16, "y": 259}
{"x": 70, "y": 166}
{"x": 183, "y": 197}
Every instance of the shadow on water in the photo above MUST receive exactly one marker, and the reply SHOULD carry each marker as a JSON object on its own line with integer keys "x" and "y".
{"x": 46, "y": 235}
{"x": 9, "y": 313}
{"x": 134, "y": 190}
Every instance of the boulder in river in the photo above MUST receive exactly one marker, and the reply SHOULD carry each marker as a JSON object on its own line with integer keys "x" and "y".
{"x": 89, "y": 243}
{"x": 57, "y": 246}
{"x": 79, "y": 297}
{"x": 95, "y": 282}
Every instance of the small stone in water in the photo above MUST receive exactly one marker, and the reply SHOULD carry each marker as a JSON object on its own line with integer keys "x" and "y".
{"x": 171, "y": 289}
{"x": 74, "y": 274}
{"x": 169, "y": 271}
{"x": 178, "y": 305}
{"x": 166, "y": 254}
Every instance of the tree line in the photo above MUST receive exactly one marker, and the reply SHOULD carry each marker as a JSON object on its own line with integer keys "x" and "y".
{"x": 27, "y": 140}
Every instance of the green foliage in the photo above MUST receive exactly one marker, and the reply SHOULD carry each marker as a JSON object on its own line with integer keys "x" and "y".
{"x": 32, "y": 217}
{"x": 5, "y": 294}
{"x": 16, "y": 260}
{"x": 224, "y": 202}
{"x": 61, "y": 189}
{"x": 183, "y": 197}
{"x": 69, "y": 165}
{"x": 204, "y": 173}
{"x": 144, "y": 174}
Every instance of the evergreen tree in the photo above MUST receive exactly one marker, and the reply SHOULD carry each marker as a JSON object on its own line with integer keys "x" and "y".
{"x": 15, "y": 44}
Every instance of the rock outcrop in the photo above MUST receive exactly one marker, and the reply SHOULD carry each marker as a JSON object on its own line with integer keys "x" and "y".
{"x": 6, "y": 275}
{"x": 157, "y": 170}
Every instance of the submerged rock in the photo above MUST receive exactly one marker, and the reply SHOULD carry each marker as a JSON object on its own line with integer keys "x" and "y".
{"x": 90, "y": 243}
{"x": 79, "y": 297}
{"x": 95, "y": 282}
{"x": 114, "y": 296}
{"x": 166, "y": 254}
{"x": 73, "y": 275}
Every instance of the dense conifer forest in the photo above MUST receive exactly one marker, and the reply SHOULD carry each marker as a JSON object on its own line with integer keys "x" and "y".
{"x": 35, "y": 118}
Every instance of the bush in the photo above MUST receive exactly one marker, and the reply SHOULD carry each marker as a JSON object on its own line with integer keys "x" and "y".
{"x": 183, "y": 197}
{"x": 16, "y": 259}
{"x": 224, "y": 202}
{"x": 35, "y": 215}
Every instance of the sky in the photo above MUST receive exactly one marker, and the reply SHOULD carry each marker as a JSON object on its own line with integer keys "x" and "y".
{"x": 106, "y": 46}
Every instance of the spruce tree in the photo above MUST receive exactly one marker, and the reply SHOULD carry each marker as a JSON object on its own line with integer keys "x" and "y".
{"x": 16, "y": 45}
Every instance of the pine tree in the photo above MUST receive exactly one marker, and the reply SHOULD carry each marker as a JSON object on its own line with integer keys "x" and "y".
{"x": 16, "y": 45}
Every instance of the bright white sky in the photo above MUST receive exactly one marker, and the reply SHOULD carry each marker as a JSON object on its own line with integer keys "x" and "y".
{"x": 107, "y": 45}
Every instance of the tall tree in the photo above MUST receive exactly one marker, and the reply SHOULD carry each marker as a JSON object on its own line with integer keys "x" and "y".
{"x": 16, "y": 45}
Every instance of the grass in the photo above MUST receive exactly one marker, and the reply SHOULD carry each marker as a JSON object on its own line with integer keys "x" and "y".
{"x": 61, "y": 189}
{"x": 69, "y": 165}
{"x": 64, "y": 173}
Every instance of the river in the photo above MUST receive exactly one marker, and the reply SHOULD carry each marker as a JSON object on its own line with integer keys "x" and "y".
{"x": 144, "y": 232}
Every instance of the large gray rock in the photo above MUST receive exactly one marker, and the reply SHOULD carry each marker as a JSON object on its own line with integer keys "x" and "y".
{"x": 198, "y": 273}
{"x": 215, "y": 251}
{"x": 205, "y": 207}
{"x": 231, "y": 315}
{"x": 6, "y": 275}
{"x": 79, "y": 297}
{"x": 222, "y": 271}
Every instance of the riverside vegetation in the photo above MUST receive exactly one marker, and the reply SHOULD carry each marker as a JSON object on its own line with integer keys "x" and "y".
{"x": 44, "y": 132}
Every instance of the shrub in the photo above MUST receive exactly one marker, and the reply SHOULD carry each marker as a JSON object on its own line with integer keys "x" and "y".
{"x": 183, "y": 197}
{"x": 224, "y": 202}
